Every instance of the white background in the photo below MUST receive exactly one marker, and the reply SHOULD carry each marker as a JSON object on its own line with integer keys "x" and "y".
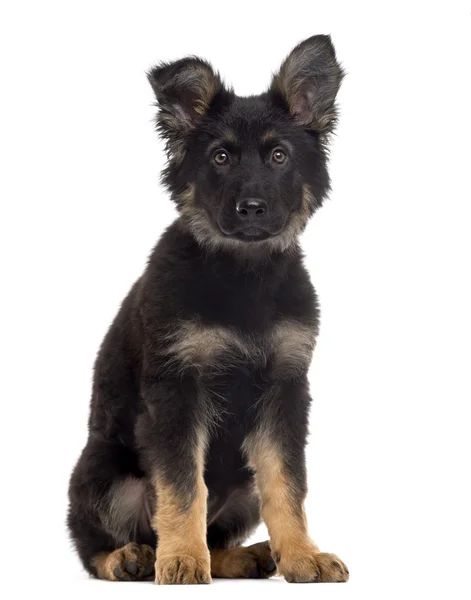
{"x": 389, "y": 254}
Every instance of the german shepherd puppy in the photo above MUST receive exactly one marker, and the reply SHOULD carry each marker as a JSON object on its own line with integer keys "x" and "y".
{"x": 199, "y": 410}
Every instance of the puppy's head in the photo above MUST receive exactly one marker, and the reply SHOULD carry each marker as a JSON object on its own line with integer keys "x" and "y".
{"x": 248, "y": 172}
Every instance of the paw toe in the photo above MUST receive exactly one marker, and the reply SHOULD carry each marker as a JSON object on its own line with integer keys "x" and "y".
{"x": 131, "y": 567}
{"x": 332, "y": 568}
{"x": 117, "y": 572}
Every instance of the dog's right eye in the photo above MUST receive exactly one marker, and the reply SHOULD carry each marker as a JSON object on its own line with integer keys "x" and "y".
{"x": 221, "y": 157}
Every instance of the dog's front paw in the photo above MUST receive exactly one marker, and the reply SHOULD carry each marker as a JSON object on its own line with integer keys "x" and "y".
{"x": 182, "y": 569}
{"x": 331, "y": 568}
{"x": 310, "y": 566}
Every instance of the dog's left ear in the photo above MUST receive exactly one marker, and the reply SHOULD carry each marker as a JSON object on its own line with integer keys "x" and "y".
{"x": 308, "y": 82}
{"x": 184, "y": 90}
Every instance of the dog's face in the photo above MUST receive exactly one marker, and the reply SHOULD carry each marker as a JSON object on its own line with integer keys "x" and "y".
{"x": 249, "y": 172}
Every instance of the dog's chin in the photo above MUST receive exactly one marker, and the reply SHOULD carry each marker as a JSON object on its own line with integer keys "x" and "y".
{"x": 250, "y": 234}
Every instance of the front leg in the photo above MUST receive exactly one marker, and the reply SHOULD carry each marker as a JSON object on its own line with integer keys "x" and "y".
{"x": 275, "y": 452}
{"x": 173, "y": 438}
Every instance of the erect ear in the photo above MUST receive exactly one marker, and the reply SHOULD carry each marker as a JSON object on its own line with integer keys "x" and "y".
{"x": 184, "y": 90}
{"x": 308, "y": 82}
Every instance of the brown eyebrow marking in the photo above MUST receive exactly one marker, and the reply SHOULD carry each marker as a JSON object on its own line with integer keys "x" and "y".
{"x": 226, "y": 140}
{"x": 269, "y": 136}
{"x": 229, "y": 139}
{"x": 227, "y": 135}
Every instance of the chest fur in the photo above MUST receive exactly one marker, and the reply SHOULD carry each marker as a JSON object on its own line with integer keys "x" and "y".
{"x": 287, "y": 346}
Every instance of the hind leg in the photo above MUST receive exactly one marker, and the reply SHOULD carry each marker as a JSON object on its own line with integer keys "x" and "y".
{"x": 108, "y": 514}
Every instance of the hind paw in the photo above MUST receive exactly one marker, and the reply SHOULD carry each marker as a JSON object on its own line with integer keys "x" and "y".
{"x": 132, "y": 562}
{"x": 246, "y": 562}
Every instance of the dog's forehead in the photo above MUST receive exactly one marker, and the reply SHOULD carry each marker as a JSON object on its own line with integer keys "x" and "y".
{"x": 251, "y": 120}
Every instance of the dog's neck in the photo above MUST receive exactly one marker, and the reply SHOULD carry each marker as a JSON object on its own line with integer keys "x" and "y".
{"x": 264, "y": 256}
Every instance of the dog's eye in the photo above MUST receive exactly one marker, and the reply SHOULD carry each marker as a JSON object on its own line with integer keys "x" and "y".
{"x": 221, "y": 157}
{"x": 278, "y": 156}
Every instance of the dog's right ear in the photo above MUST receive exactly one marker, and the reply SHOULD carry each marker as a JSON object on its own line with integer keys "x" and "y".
{"x": 184, "y": 90}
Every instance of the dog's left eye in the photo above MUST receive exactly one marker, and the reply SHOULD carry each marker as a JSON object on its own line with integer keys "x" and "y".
{"x": 278, "y": 156}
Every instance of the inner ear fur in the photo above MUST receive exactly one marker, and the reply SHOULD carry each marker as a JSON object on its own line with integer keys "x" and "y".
{"x": 308, "y": 82}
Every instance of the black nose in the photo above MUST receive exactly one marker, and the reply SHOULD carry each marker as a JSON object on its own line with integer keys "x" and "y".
{"x": 252, "y": 208}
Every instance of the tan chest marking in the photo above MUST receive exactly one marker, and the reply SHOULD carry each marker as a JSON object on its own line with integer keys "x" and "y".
{"x": 293, "y": 344}
{"x": 200, "y": 346}
{"x": 289, "y": 344}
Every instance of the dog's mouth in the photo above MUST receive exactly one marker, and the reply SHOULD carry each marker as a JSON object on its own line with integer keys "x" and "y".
{"x": 251, "y": 233}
